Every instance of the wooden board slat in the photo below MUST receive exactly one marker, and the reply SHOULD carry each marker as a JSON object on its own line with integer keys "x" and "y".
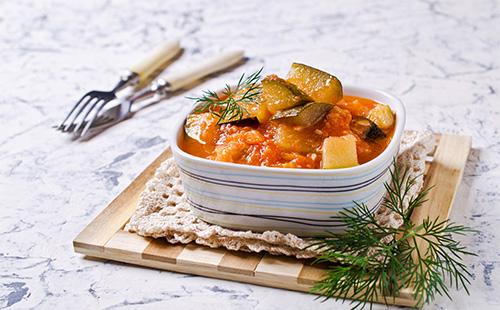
{"x": 310, "y": 274}
{"x": 124, "y": 242}
{"x": 104, "y": 237}
{"x": 275, "y": 267}
{"x": 195, "y": 255}
{"x": 444, "y": 175}
{"x": 239, "y": 262}
{"x": 161, "y": 250}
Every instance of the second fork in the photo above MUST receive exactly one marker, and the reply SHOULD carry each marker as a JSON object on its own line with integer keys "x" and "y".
{"x": 136, "y": 75}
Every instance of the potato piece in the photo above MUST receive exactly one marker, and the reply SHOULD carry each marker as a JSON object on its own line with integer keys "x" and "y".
{"x": 319, "y": 85}
{"x": 277, "y": 94}
{"x": 339, "y": 152}
{"x": 381, "y": 115}
{"x": 304, "y": 115}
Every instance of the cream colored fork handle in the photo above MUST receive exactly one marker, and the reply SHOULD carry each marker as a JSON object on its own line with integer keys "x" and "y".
{"x": 158, "y": 58}
{"x": 222, "y": 61}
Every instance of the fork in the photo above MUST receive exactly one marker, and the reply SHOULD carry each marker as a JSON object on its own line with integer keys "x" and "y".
{"x": 159, "y": 89}
{"x": 137, "y": 73}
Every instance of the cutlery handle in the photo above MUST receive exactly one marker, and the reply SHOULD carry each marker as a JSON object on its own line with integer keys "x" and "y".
{"x": 222, "y": 61}
{"x": 158, "y": 58}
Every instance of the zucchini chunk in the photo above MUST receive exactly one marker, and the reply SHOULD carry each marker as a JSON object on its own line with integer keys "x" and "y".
{"x": 263, "y": 114}
{"x": 381, "y": 115}
{"x": 319, "y": 85}
{"x": 339, "y": 152}
{"x": 304, "y": 115}
{"x": 277, "y": 94}
{"x": 290, "y": 140}
{"x": 366, "y": 129}
{"x": 250, "y": 110}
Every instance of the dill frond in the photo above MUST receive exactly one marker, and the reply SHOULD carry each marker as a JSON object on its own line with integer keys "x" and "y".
{"x": 365, "y": 266}
{"x": 230, "y": 104}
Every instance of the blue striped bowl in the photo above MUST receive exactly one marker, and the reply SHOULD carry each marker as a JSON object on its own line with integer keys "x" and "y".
{"x": 304, "y": 202}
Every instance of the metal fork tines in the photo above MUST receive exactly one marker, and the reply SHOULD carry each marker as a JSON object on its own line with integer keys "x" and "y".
{"x": 100, "y": 115}
{"x": 82, "y": 109}
{"x": 87, "y": 109}
{"x": 157, "y": 90}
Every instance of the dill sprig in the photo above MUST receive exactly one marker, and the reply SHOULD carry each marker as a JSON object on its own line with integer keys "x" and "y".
{"x": 230, "y": 104}
{"x": 372, "y": 261}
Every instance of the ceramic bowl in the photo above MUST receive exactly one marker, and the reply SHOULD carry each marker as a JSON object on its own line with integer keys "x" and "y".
{"x": 304, "y": 202}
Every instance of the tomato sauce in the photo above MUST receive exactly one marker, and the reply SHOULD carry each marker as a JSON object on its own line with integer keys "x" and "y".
{"x": 278, "y": 144}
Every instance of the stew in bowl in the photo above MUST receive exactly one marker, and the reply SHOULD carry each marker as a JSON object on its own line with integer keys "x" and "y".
{"x": 287, "y": 155}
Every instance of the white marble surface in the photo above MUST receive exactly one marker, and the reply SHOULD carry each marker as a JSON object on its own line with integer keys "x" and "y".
{"x": 441, "y": 58}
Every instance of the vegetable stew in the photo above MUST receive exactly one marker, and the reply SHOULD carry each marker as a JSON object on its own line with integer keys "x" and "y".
{"x": 303, "y": 121}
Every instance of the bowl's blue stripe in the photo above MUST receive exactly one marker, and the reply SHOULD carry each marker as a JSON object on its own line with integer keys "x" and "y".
{"x": 306, "y": 222}
{"x": 280, "y": 203}
{"x": 283, "y": 188}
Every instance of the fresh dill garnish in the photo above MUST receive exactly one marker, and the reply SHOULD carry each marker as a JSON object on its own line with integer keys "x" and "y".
{"x": 230, "y": 104}
{"x": 370, "y": 261}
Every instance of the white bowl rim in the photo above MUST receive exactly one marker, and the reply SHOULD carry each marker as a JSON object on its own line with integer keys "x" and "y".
{"x": 395, "y": 103}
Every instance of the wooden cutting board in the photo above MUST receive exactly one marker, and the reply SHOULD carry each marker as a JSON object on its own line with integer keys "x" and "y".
{"x": 105, "y": 238}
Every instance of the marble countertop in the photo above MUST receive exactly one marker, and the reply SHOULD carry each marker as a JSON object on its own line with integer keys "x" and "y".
{"x": 441, "y": 57}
